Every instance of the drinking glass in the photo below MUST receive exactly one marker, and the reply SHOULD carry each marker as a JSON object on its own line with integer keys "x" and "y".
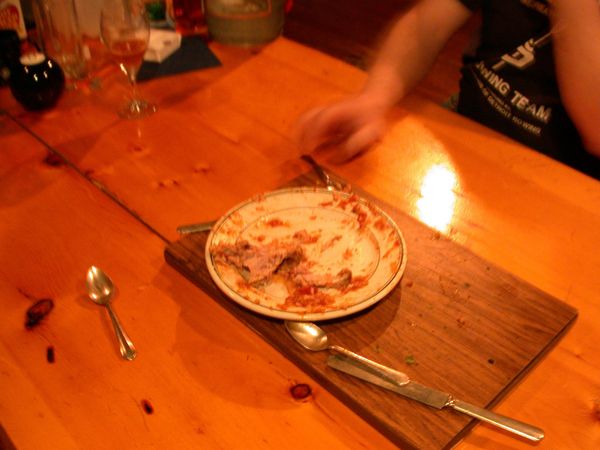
{"x": 125, "y": 31}
{"x": 59, "y": 37}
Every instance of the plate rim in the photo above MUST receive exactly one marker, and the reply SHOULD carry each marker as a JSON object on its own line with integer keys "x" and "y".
{"x": 287, "y": 315}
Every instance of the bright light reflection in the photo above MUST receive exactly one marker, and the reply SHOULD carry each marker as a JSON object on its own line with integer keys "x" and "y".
{"x": 436, "y": 205}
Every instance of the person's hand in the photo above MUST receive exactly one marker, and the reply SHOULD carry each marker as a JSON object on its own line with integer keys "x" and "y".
{"x": 347, "y": 127}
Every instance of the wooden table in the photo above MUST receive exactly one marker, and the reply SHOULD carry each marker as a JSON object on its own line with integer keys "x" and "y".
{"x": 112, "y": 193}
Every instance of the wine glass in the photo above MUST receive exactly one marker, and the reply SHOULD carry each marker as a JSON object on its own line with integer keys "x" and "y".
{"x": 125, "y": 32}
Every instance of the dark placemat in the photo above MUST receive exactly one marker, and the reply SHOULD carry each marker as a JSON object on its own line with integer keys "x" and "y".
{"x": 455, "y": 322}
{"x": 193, "y": 54}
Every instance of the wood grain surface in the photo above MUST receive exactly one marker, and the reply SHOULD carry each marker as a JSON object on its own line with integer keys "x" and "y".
{"x": 201, "y": 380}
{"x": 456, "y": 323}
{"x": 114, "y": 191}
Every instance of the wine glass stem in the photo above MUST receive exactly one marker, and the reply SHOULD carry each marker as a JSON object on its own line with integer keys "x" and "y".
{"x": 134, "y": 90}
{"x": 131, "y": 76}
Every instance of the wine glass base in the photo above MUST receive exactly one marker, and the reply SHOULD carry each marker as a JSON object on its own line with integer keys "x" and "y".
{"x": 136, "y": 109}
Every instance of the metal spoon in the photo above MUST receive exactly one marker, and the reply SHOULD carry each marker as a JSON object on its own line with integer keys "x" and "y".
{"x": 314, "y": 338}
{"x": 100, "y": 290}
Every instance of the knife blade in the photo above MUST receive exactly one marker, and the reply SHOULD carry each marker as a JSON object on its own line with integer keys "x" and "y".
{"x": 434, "y": 398}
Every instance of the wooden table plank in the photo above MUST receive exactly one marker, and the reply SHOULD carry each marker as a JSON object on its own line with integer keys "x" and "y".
{"x": 523, "y": 212}
{"x": 210, "y": 383}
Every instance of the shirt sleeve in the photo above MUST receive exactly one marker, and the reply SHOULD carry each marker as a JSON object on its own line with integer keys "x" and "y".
{"x": 471, "y": 4}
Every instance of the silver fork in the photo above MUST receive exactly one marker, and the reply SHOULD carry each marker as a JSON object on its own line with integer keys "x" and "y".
{"x": 322, "y": 174}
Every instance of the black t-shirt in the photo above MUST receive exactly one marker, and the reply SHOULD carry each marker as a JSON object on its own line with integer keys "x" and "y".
{"x": 509, "y": 83}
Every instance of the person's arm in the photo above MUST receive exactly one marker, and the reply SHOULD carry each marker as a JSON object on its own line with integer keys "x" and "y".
{"x": 576, "y": 40}
{"x": 412, "y": 46}
{"x": 405, "y": 57}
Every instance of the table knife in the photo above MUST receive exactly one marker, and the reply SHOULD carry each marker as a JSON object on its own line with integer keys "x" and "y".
{"x": 434, "y": 398}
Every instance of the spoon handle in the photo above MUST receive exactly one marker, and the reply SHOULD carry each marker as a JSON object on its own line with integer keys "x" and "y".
{"x": 385, "y": 372}
{"x": 125, "y": 345}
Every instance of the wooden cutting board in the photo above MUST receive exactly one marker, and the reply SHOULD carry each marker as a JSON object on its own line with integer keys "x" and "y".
{"x": 455, "y": 322}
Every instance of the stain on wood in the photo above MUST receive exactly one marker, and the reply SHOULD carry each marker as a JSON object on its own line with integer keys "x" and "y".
{"x": 50, "y": 356}
{"x": 147, "y": 407}
{"x": 36, "y": 312}
{"x": 300, "y": 391}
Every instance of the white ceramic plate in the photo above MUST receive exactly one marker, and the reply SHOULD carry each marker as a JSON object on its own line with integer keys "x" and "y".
{"x": 347, "y": 232}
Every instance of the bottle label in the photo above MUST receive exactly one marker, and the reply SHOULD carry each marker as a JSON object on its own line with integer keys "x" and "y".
{"x": 239, "y": 9}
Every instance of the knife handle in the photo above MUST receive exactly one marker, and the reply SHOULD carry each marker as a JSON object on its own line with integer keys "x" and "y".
{"x": 506, "y": 423}
{"x": 387, "y": 373}
{"x": 195, "y": 227}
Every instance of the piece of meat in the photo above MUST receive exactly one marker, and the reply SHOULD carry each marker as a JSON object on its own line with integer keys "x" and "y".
{"x": 302, "y": 276}
{"x": 308, "y": 286}
{"x": 258, "y": 263}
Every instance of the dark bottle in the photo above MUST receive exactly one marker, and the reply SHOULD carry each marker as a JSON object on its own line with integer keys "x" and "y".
{"x": 37, "y": 81}
{"x": 10, "y": 52}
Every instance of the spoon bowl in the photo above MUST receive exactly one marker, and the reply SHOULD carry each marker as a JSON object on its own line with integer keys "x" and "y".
{"x": 314, "y": 338}
{"x": 308, "y": 335}
{"x": 101, "y": 290}
{"x": 100, "y": 287}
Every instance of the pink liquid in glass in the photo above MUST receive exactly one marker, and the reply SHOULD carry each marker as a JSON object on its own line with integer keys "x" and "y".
{"x": 189, "y": 16}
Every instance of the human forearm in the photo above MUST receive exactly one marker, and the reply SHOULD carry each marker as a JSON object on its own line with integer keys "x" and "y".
{"x": 411, "y": 47}
{"x": 576, "y": 40}
{"x": 353, "y": 124}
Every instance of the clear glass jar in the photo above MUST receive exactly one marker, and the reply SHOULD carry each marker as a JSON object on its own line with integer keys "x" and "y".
{"x": 59, "y": 36}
